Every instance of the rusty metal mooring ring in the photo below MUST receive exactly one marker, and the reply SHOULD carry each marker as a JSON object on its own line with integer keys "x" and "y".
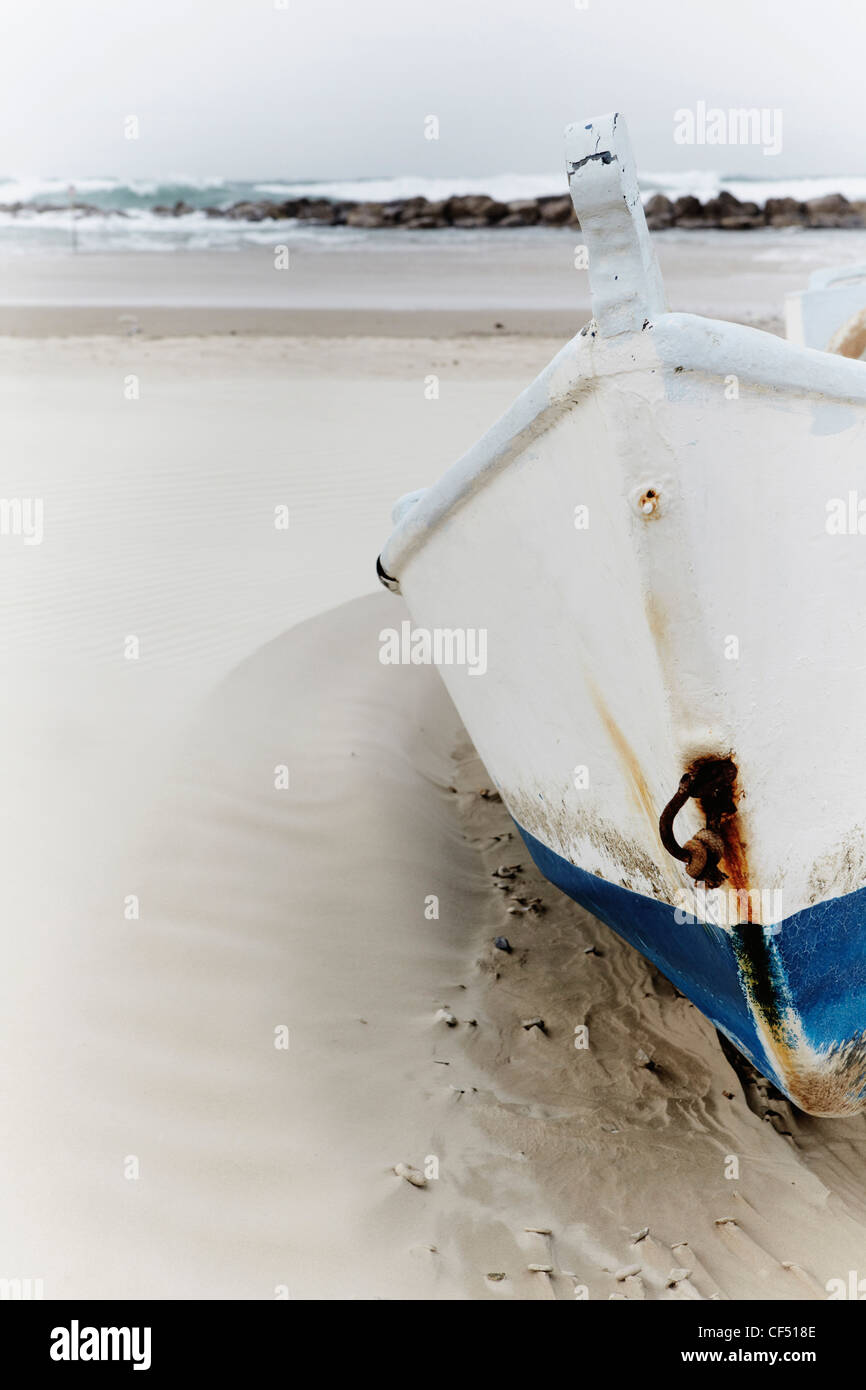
{"x": 709, "y": 780}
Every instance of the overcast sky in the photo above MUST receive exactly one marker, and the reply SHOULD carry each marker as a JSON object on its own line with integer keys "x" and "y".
{"x": 341, "y": 88}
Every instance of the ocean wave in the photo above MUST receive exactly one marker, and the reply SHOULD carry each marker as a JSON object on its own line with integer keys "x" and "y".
{"x": 131, "y": 222}
{"x": 111, "y": 193}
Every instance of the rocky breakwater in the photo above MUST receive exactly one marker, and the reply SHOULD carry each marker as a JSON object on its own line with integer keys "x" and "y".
{"x": 724, "y": 212}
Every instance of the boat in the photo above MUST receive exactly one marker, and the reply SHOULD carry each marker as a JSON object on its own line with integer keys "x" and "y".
{"x": 831, "y": 312}
{"x": 661, "y": 542}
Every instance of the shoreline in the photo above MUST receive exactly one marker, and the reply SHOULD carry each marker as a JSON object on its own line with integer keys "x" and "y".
{"x": 369, "y": 284}
{"x": 161, "y": 321}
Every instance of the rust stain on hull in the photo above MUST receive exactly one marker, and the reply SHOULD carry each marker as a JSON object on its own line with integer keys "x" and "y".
{"x": 821, "y": 1083}
{"x": 832, "y": 1086}
{"x": 829, "y": 1083}
{"x": 765, "y": 984}
{"x": 711, "y": 781}
{"x": 719, "y": 804}
{"x": 716, "y": 789}
{"x": 638, "y": 784}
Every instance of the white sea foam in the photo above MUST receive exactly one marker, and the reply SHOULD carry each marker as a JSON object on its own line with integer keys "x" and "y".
{"x": 131, "y": 223}
{"x": 701, "y": 183}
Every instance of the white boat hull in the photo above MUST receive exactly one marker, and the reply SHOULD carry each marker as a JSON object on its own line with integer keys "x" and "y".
{"x": 647, "y": 541}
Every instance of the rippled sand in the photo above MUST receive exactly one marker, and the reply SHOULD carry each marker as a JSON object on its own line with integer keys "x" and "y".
{"x": 169, "y": 908}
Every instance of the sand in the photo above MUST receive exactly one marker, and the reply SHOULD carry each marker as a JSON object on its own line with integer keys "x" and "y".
{"x": 264, "y": 1171}
{"x": 398, "y": 284}
{"x": 174, "y": 915}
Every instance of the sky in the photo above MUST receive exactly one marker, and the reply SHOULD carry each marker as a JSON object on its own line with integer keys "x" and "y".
{"x": 326, "y": 89}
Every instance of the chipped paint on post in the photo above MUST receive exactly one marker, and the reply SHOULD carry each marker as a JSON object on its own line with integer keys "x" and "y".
{"x": 627, "y": 288}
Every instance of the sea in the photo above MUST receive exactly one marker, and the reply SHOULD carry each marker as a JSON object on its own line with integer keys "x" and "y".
{"x": 131, "y": 224}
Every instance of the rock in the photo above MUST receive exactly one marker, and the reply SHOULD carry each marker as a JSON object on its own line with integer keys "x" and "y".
{"x": 475, "y": 210}
{"x": 659, "y": 212}
{"x": 411, "y": 208}
{"x": 744, "y": 220}
{"x": 830, "y": 203}
{"x": 540, "y": 1269}
{"x": 538, "y": 1023}
{"x": 534, "y": 905}
{"x": 417, "y": 213}
{"x": 642, "y": 1059}
{"x": 833, "y": 210}
{"x": 688, "y": 212}
{"x": 724, "y": 205}
{"x": 366, "y": 215}
{"x": 261, "y": 211}
{"x": 246, "y": 212}
{"x": 495, "y": 1276}
{"x": 627, "y": 1272}
{"x": 676, "y": 1276}
{"x": 639, "y": 1235}
{"x": 785, "y": 212}
{"x": 391, "y": 212}
{"x": 731, "y": 214}
{"x": 445, "y": 1016}
{"x": 410, "y": 1174}
{"x": 507, "y": 871}
{"x": 502, "y": 943}
{"x": 522, "y": 212}
{"x": 557, "y": 211}
{"x": 321, "y": 209}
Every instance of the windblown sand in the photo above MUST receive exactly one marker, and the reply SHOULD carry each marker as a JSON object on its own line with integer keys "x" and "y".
{"x": 174, "y": 915}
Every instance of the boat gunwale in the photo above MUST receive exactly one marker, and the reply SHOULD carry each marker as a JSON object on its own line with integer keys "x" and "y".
{"x": 684, "y": 343}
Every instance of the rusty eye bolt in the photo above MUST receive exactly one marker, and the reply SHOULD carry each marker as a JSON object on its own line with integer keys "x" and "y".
{"x": 711, "y": 782}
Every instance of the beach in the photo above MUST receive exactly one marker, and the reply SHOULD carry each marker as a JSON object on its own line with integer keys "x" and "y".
{"x": 242, "y": 1056}
{"x": 339, "y": 282}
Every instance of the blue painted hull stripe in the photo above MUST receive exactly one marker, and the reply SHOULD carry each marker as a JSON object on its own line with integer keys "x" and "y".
{"x": 821, "y": 952}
